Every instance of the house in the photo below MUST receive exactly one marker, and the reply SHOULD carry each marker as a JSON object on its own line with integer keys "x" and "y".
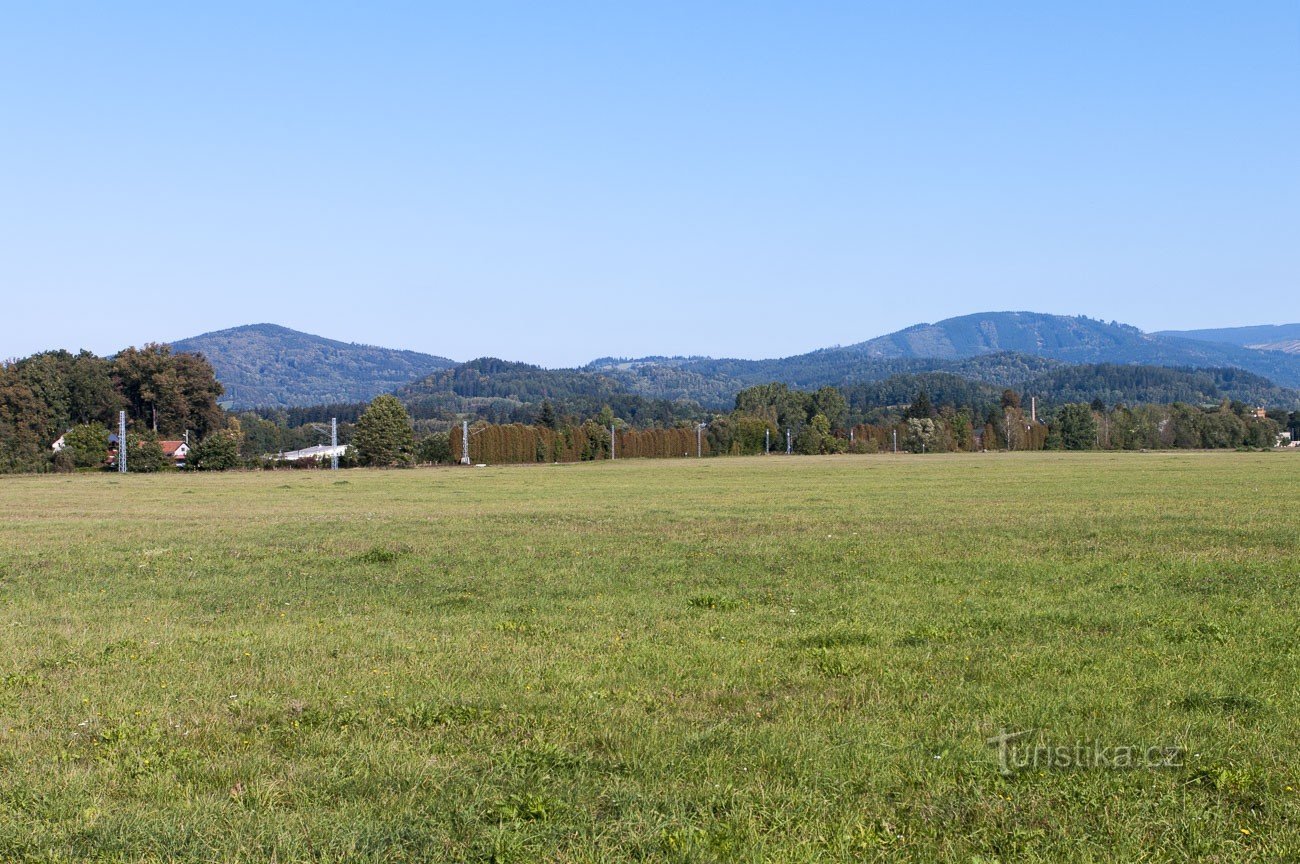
{"x": 175, "y": 451}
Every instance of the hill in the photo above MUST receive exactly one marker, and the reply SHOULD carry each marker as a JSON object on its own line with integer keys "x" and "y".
{"x": 513, "y": 392}
{"x": 268, "y": 365}
{"x": 1021, "y": 339}
{"x": 508, "y": 392}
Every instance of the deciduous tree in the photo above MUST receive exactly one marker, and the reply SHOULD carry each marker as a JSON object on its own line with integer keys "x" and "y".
{"x": 383, "y": 437}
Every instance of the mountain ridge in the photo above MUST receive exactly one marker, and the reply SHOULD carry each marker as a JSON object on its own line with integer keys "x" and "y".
{"x": 270, "y": 365}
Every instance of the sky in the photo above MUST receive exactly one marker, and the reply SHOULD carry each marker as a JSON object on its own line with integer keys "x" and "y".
{"x": 555, "y": 182}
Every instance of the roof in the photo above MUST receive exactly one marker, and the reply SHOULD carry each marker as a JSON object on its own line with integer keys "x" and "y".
{"x": 169, "y": 448}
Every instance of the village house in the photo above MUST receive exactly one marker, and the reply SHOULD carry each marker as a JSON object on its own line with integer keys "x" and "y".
{"x": 176, "y": 451}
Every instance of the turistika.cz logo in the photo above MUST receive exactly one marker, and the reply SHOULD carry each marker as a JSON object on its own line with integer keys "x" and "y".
{"x": 1016, "y": 754}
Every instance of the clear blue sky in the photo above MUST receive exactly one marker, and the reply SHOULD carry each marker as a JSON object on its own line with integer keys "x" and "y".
{"x": 554, "y": 182}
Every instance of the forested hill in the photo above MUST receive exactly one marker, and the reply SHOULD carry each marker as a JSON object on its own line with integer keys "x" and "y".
{"x": 1063, "y": 384}
{"x": 1020, "y": 343}
{"x": 514, "y": 392}
{"x": 268, "y": 365}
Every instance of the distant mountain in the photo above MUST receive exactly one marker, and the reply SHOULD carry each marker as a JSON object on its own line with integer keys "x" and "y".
{"x": 1264, "y": 337}
{"x": 268, "y": 365}
{"x": 1012, "y": 336}
{"x": 1073, "y": 339}
{"x": 1081, "y": 340}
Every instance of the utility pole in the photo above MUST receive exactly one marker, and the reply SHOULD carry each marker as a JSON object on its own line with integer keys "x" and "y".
{"x": 699, "y": 440}
{"x": 895, "y": 442}
{"x": 789, "y": 446}
{"x": 121, "y": 442}
{"x": 767, "y": 442}
{"x": 464, "y": 442}
{"x": 334, "y": 443}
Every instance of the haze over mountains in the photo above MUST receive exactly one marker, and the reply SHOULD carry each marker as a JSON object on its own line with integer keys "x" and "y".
{"x": 269, "y": 365}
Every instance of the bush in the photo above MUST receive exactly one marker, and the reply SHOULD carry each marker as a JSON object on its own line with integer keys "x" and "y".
{"x": 63, "y": 462}
{"x": 87, "y": 445}
{"x": 435, "y": 449}
{"x": 218, "y": 452}
{"x": 144, "y": 455}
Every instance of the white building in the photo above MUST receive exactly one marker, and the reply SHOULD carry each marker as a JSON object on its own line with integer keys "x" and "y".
{"x": 320, "y": 451}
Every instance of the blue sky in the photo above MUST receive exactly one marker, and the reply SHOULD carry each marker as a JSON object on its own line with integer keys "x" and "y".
{"x": 554, "y": 182}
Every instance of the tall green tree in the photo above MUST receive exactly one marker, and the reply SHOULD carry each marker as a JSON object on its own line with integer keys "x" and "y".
{"x": 546, "y": 414}
{"x": 921, "y": 408}
{"x": 383, "y": 437}
{"x": 169, "y": 393}
{"x": 1077, "y": 427}
{"x": 829, "y": 402}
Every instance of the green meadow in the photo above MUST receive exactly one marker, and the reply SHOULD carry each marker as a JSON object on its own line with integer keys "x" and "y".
{"x": 732, "y": 660}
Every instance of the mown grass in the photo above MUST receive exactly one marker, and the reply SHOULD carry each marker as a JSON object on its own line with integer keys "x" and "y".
{"x": 781, "y": 659}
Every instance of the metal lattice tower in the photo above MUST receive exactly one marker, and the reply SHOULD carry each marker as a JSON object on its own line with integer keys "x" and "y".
{"x": 334, "y": 443}
{"x": 789, "y": 445}
{"x": 121, "y": 442}
{"x": 464, "y": 442}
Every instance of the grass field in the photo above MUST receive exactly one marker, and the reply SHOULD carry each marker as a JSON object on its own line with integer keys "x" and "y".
{"x": 781, "y": 659}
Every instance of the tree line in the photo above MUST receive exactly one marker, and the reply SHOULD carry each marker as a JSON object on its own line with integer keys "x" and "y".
{"x": 44, "y": 396}
{"x": 168, "y": 394}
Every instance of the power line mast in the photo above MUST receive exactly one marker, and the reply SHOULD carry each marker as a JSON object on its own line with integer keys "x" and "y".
{"x": 699, "y": 440}
{"x": 334, "y": 443}
{"x": 611, "y": 441}
{"x": 895, "y": 442}
{"x": 121, "y": 442}
{"x": 789, "y": 446}
{"x": 767, "y": 441}
{"x": 464, "y": 442}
